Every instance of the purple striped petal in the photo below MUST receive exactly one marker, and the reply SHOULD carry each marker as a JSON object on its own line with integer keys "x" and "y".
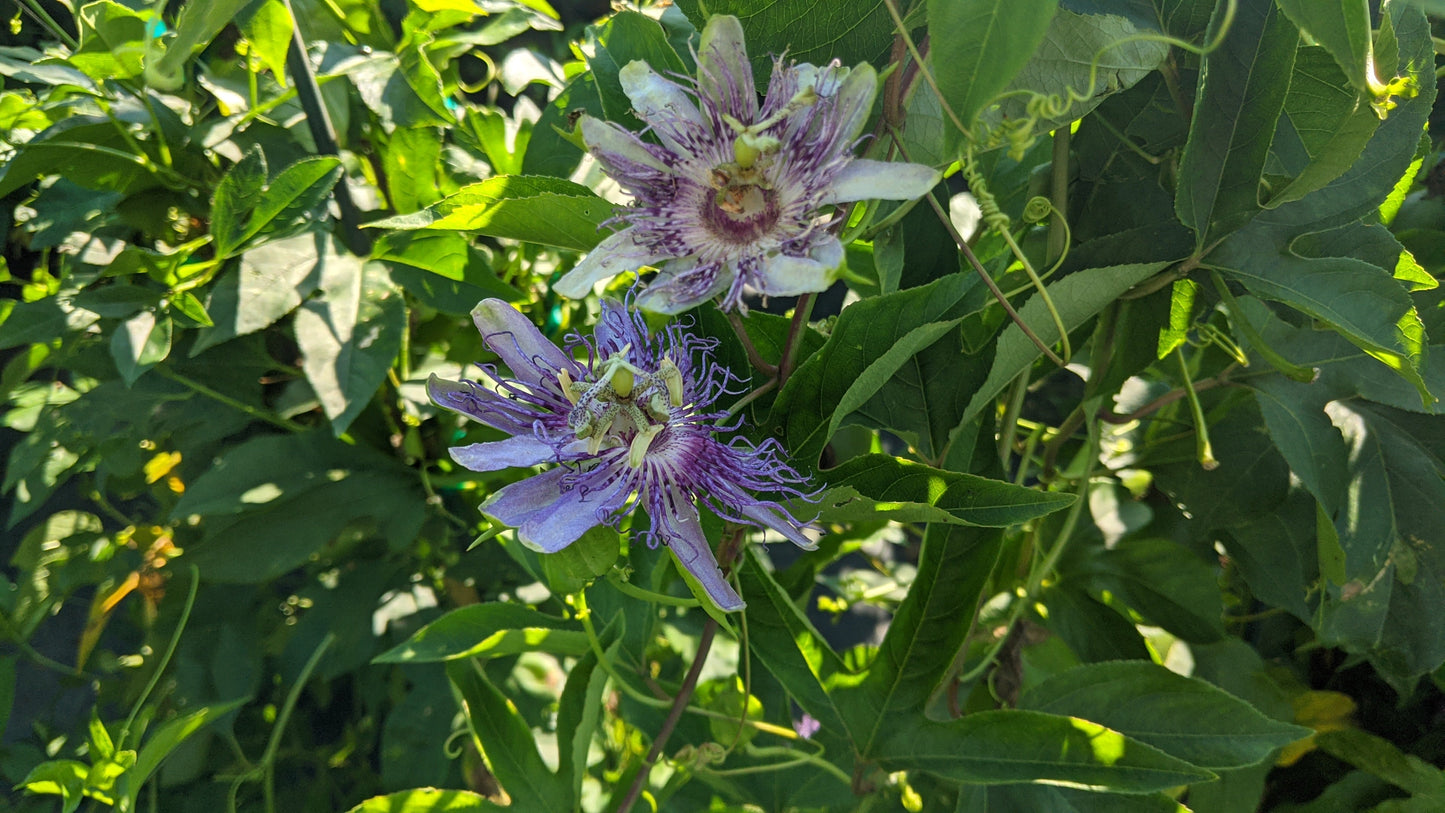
{"x": 481, "y": 404}
{"x": 522, "y": 450}
{"x": 661, "y": 103}
{"x": 770, "y": 517}
{"x": 519, "y": 343}
{"x": 685, "y": 539}
{"x": 724, "y": 73}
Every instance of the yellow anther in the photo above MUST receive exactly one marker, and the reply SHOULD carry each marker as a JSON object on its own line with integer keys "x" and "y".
{"x": 672, "y": 377}
{"x": 565, "y": 379}
{"x": 637, "y": 452}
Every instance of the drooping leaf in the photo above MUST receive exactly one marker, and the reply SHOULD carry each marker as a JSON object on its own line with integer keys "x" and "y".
{"x": 1343, "y": 30}
{"x": 1239, "y": 101}
{"x": 1009, "y": 746}
{"x": 1181, "y": 716}
{"x": 924, "y": 636}
{"x": 505, "y": 740}
{"x": 986, "y": 42}
{"x": 350, "y": 336}
{"x": 1323, "y": 129}
{"x": 785, "y": 642}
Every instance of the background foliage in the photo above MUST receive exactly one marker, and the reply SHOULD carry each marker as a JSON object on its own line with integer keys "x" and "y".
{"x": 1191, "y": 555}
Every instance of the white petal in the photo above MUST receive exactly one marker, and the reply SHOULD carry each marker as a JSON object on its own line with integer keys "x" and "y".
{"x": 671, "y": 293}
{"x": 660, "y": 102}
{"x": 518, "y": 342}
{"x": 783, "y": 275}
{"x": 854, "y": 101}
{"x": 503, "y": 454}
{"x": 618, "y": 253}
{"x": 610, "y": 143}
{"x": 724, "y": 73}
{"x": 865, "y": 179}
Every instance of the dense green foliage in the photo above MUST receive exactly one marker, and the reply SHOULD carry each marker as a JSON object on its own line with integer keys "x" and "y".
{"x": 1133, "y": 492}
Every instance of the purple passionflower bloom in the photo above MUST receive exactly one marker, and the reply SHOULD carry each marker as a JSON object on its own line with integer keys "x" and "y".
{"x": 630, "y": 426}
{"x": 731, "y": 196}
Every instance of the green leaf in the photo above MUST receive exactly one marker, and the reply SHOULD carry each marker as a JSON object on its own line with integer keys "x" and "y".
{"x": 577, "y": 565}
{"x": 579, "y": 712}
{"x": 857, "y": 32}
{"x": 1391, "y": 532}
{"x": 169, "y": 736}
{"x": 1078, "y": 297}
{"x": 272, "y": 281}
{"x": 1241, "y": 94}
{"x": 879, "y": 486}
{"x": 625, "y": 37}
{"x": 140, "y": 343}
{"x": 924, "y": 636}
{"x": 413, "y": 167}
{"x": 7, "y": 681}
{"x": 537, "y": 209}
{"x": 265, "y": 519}
{"x": 1384, "y": 759}
{"x": 59, "y": 777}
{"x": 102, "y": 166}
{"x": 197, "y": 25}
{"x": 505, "y": 740}
{"x": 1343, "y": 30}
{"x": 782, "y": 638}
{"x": 428, "y": 800}
{"x": 978, "y": 46}
{"x": 1361, "y": 189}
{"x": 861, "y": 345}
{"x": 549, "y": 152}
{"x": 1045, "y": 799}
{"x": 289, "y": 200}
{"x": 1165, "y": 582}
{"x": 1181, "y": 716}
{"x": 488, "y": 630}
{"x": 268, "y": 29}
{"x": 1323, "y": 129}
{"x": 1003, "y": 747}
{"x": 1362, "y": 301}
{"x": 349, "y": 336}
{"x": 112, "y": 40}
{"x": 1093, "y": 630}
{"x": 41, "y": 321}
{"x": 1110, "y": 50}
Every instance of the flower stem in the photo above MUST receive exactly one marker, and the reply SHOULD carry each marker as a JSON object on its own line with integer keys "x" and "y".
{"x": 754, "y": 358}
{"x": 801, "y": 312}
{"x": 679, "y": 703}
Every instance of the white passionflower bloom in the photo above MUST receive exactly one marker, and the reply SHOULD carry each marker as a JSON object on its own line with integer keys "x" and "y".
{"x": 731, "y": 196}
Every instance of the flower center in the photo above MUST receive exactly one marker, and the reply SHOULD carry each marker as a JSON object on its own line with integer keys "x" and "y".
{"x": 744, "y": 207}
{"x": 624, "y": 405}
